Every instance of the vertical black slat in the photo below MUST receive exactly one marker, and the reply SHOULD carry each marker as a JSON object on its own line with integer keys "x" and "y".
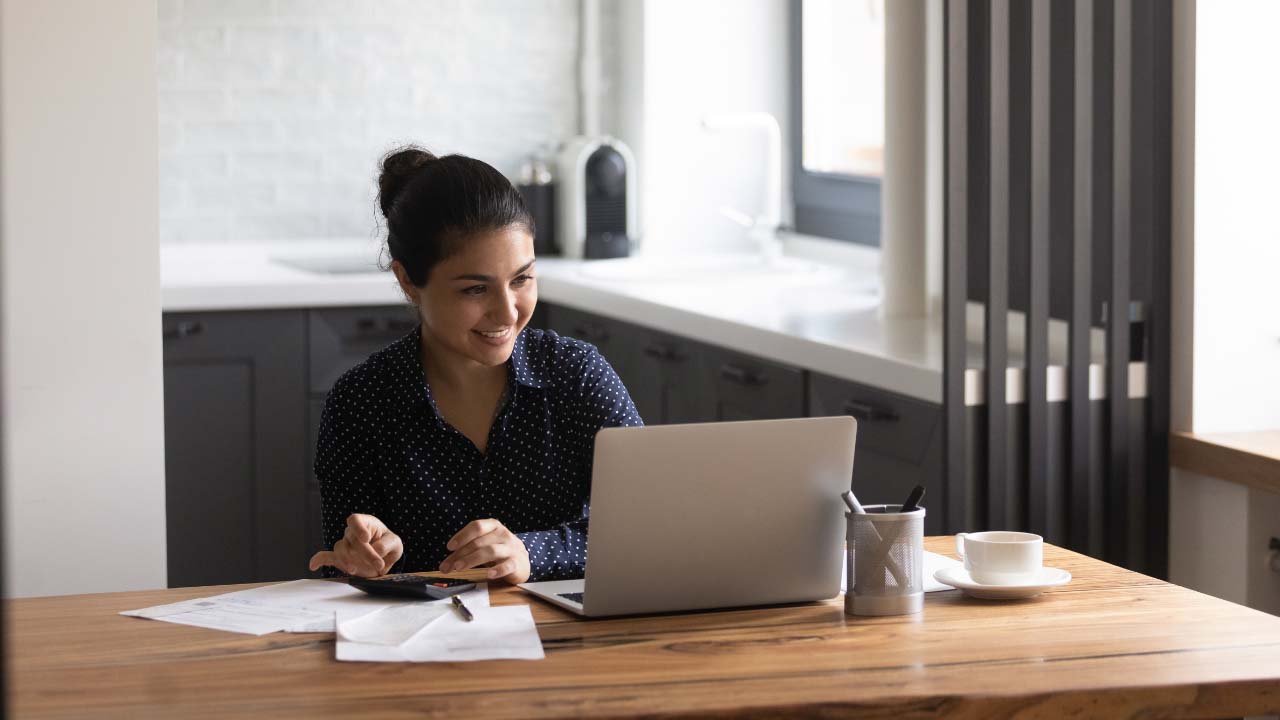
{"x": 996, "y": 340}
{"x": 1042, "y": 496}
{"x": 1081, "y": 282}
{"x": 1061, "y": 232}
{"x": 1103, "y": 222}
{"x": 1118, "y": 304}
{"x": 955, "y": 256}
{"x": 1157, "y": 316}
{"x": 1141, "y": 263}
{"x": 1122, "y": 509}
{"x": 1019, "y": 233}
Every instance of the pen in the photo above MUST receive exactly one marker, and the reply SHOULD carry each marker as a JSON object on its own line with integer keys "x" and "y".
{"x": 913, "y": 500}
{"x": 466, "y": 614}
{"x": 852, "y": 502}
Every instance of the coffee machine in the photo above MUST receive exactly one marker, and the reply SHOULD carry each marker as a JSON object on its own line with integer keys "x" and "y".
{"x": 597, "y": 198}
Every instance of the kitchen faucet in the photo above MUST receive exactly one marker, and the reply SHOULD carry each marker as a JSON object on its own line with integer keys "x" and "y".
{"x": 763, "y": 228}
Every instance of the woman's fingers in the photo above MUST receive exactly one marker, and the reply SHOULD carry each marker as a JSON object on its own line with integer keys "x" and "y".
{"x": 482, "y": 555}
{"x": 454, "y": 560}
{"x": 361, "y": 531}
{"x": 389, "y": 549}
{"x": 363, "y": 528}
{"x": 324, "y": 558}
{"x": 488, "y": 542}
{"x": 358, "y": 560}
{"x": 502, "y": 569}
{"x": 367, "y": 548}
{"x": 473, "y": 530}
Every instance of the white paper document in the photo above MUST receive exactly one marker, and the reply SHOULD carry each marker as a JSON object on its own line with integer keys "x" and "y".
{"x": 331, "y": 597}
{"x": 297, "y": 606}
{"x": 393, "y": 625}
{"x": 216, "y": 614}
{"x": 497, "y": 633}
{"x": 933, "y": 562}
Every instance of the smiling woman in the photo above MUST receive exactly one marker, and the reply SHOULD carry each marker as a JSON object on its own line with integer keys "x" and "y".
{"x": 468, "y": 442}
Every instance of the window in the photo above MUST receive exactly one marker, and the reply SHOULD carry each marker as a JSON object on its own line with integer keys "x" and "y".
{"x": 837, "y": 136}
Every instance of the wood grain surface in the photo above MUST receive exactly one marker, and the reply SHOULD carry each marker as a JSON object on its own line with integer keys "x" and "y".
{"x": 1248, "y": 458}
{"x": 1112, "y": 643}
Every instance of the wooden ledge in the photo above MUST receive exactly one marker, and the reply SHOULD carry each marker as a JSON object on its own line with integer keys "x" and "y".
{"x": 1248, "y": 458}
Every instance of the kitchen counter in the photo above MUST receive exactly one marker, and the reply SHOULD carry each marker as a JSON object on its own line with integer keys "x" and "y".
{"x": 1248, "y": 458}
{"x": 812, "y": 315}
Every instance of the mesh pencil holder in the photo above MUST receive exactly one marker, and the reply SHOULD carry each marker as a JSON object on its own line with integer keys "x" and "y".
{"x": 886, "y": 561}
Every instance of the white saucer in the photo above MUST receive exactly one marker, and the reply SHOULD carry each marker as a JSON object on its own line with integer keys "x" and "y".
{"x": 958, "y": 577}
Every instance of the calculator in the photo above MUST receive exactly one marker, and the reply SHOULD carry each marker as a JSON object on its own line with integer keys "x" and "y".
{"x": 422, "y": 587}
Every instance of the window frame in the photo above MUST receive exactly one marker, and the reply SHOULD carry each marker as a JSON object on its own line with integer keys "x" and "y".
{"x": 832, "y": 205}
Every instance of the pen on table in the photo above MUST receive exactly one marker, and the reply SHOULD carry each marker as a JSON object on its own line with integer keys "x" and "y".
{"x": 466, "y": 614}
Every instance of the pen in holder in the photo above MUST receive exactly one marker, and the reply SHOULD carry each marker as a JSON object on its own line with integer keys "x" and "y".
{"x": 886, "y": 564}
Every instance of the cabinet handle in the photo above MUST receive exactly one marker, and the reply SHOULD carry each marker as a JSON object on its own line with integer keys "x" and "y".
{"x": 367, "y": 326}
{"x": 184, "y": 329}
{"x": 399, "y": 326}
{"x": 663, "y": 351}
{"x": 591, "y": 332}
{"x": 863, "y": 411}
{"x": 742, "y": 376}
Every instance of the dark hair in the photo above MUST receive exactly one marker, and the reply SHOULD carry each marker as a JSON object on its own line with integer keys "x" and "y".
{"x": 432, "y": 205}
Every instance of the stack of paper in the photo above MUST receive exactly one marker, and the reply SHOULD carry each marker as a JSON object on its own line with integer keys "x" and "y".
{"x": 298, "y": 606}
{"x": 369, "y": 628}
{"x": 217, "y": 614}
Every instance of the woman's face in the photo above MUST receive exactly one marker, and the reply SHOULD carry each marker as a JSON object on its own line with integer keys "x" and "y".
{"x": 477, "y": 301}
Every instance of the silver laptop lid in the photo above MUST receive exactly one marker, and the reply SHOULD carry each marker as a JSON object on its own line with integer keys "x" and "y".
{"x": 715, "y": 515}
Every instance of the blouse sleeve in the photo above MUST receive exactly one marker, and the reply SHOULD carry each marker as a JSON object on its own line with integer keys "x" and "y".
{"x": 346, "y": 463}
{"x": 561, "y": 552}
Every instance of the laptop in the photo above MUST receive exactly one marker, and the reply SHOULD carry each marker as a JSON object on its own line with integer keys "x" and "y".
{"x": 713, "y": 515}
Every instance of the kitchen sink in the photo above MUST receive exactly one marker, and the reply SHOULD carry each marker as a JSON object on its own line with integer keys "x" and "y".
{"x": 709, "y": 269}
{"x": 335, "y": 262}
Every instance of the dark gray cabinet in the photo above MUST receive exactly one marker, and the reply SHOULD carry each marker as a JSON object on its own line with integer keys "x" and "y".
{"x": 619, "y": 343}
{"x": 244, "y": 394}
{"x": 899, "y": 442}
{"x": 677, "y": 380}
{"x": 235, "y": 415}
{"x": 749, "y": 388}
{"x": 670, "y": 378}
{"x": 340, "y": 339}
{"x": 663, "y": 373}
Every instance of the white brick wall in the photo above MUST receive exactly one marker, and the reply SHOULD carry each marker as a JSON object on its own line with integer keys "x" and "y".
{"x": 273, "y": 113}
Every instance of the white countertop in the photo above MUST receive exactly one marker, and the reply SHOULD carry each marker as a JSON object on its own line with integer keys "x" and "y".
{"x": 827, "y": 320}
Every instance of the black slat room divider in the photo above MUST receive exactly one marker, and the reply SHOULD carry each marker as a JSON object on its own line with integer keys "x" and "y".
{"x": 1057, "y": 208}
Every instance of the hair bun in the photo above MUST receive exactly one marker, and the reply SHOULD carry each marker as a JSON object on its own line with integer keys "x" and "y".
{"x": 397, "y": 169}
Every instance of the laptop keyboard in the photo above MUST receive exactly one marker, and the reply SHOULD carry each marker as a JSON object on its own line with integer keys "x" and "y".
{"x": 576, "y": 597}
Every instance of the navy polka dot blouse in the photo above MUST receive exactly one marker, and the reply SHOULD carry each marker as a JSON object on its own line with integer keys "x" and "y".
{"x": 384, "y": 450}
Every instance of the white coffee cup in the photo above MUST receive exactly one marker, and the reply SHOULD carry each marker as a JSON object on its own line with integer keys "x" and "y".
{"x": 1001, "y": 557}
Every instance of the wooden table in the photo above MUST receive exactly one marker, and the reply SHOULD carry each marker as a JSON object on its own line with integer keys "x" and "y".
{"x": 1112, "y": 643}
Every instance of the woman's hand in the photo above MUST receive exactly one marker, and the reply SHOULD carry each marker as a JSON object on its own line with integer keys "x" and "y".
{"x": 488, "y": 542}
{"x": 367, "y": 549}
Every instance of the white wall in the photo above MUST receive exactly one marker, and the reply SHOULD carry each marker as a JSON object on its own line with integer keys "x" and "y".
{"x": 273, "y": 115}
{"x": 700, "y": 57}
{"x": 83, "y": 413}
{"x": 1236, "y": 242}
{"x": 1226, "y": 299}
